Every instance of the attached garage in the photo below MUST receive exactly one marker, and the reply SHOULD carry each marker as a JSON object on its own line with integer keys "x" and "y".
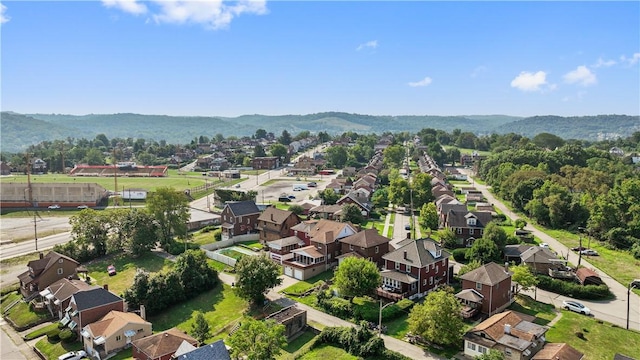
{"x": 288, "y": 270}
{"x": 297, "y": 274}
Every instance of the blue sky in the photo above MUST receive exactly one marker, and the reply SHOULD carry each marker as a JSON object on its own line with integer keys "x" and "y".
{"x": 297, "y": 57}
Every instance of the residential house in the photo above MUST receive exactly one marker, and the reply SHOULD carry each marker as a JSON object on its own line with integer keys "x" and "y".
{"x": 113, "y": 332}
{"x": 265, "y": 163}
{"x": 558, "y": 351}
{"x": 484, "y": 206}
{"x": 368, "y": 244}
{"x": 45, "y": 271}
{"x": 322, "y": 251}
{"x": 539, "y": 259}
{"x": 293, "y": 319}
{"x": 4, "y": 168}
{"x": 239, "y": 218}
{"x": 511, "y": 333}
{"x": 214, "y": 351}
{"x": 39, "y": 166}
{"x": 86, "y": 307}
{"x": 362, "y": 203}
{"x": 467, "y": 225}
{"x": 161, "y": 346}
{"x": 275, "y": 224}
{"x": 281, "y": 249}
{"x": 303, "y": 230}
{"x": 445, "y": 207}
{"x": 414, "y": 269}
{"x": 440, "y": 190}
{"x": 57, "y": 295}
{"x": 330, "y": 212}
{"x": 349, "y": 171}
{"x": 493, "y": 283}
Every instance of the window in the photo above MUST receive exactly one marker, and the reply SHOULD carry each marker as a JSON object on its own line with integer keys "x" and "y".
{"x": 471, "y": 346}
{"x": 424, "y": 282}
{"x": 507, "y": 352}
{"x": 471, "y": 231}
{"x": 430, "y": 280}
{"x": 377, "y": 249}
{"x": 118, "y": 338}
{"x": 443, "y": 262}
{"x": 408, "y": 268}
{"x": 240, "y": 220}
{"x": 482, "y": 349}
{"x": 350, "y": 247}
{"x": 60, "y": 271}
{"x": 478, "y": 286}
{"x": 60, "y": 261}
{"x": 459, "y": 230}
{"x": 397, "y": 266}
{"x": 437, "y": 269}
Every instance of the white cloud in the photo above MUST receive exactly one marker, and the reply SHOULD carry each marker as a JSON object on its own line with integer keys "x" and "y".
{"x": 603, "y": 63}
{"x": 128, "y": 6}
{"x": 213, "y": 14}
{"x": 581, "y": 75}
{"x": 3, "y": 16}
{"x": 424, "y": 82}
{"x": 632, "y": 60}
{"x": 369, "y": 44}
{"x": 528, "y": 81}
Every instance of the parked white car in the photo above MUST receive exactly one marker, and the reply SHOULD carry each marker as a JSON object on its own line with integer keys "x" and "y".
{"x": 576, "y": 306}
{"x": 73, "y": 355}
{"x": 53, "y": 207}
{"x": 589, "y": 252}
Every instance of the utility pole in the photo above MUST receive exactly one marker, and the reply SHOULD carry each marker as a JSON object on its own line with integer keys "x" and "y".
{"x": 580, "y": 229}
{"x": 115, "y": 177}
{"x": 35, "y": 229}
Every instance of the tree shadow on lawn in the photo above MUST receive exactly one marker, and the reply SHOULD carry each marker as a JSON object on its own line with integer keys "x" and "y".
{"x": 122, "y": 262}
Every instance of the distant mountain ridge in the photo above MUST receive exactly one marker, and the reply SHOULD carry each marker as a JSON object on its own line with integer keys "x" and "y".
{"x": 18, "y": 131}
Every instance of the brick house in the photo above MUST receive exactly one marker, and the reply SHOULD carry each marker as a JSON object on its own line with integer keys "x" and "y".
{"x": 414, "y": 269}
{"x": 113, "y": 332}
{"x": 239, "y": 218}
{"x": 160, "y": 346}
{"x": 265, "y": 163}
{"x": 493, "y": 283}
{"x": 45, "y": 271}
{"x": 511, "y": 333}
{"x": 275, "y": 224}
{"x": 86, "y": 307}
{"x": 361, "y": 202}
{"x": 322, "y": 251}
{"x": 368, "y": 244}
{"x": 467, "y": 225}
{"x": 293, "y": 319}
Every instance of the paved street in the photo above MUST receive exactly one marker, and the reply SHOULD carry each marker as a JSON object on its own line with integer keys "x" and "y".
{"x": 8, "y": 349}
{"x": 12, "y": 250}
{"x": 614, "y": 311}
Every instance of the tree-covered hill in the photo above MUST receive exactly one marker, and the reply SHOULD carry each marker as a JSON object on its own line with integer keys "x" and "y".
{"x": 593, "y": 128}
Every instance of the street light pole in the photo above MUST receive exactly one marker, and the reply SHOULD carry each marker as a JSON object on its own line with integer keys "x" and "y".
{"x": 631, "y": 286}
{"x": 380, "y": 317}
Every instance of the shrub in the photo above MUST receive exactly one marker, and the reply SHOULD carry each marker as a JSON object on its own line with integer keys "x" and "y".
{"x": 9, "y": 289}
{"x": 53, "y": 335}
{"x": 635, "y": 250}
{"x": 573, "y": 289}
{"x": 459, "y": 255}
{"x": 580, "y": 335}
{"x": 337, "y": 307}
{"x": 67, "y": 336}
{"x": 209, "y": 228}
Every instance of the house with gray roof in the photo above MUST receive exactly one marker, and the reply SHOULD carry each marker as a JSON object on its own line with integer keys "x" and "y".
{"x": 275, "y": 224}
{"x": 467, "y": 225}
{"x": 86, "y": 307}
{"x": 216, "y": 350}
{"x": 414, "y": 269}
{"x": 239, "y": 218}
{"x": 367, "y": 244}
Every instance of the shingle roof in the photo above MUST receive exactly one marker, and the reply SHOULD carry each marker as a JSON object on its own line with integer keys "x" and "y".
{"x": 459, "y": 218}
{"x": 46, "y": 262}
{"x": 166, "y": 342}
{"x": 241, "y": 208}
{"x": 419, "y": 253}
{"x": 320, "y": 232}
{"x": 516, "y": 250}
{"x": 308, "y": 251}
{"x": 542, "y": 255}
{"x": 487, "y": 274}
{"x": 326, "y": 209}
{"x": 554, "y": 351}
{"x": 114, "y": 321}
{"x": 521, "y": 326}
{"x": 288, "y": 241}
{"x": 64, "y": 288}
{"x": 275, "y": 216}
{"x": 305, "y": 226}
{"x": 93, "y": 298}
{"x": 366, "y": 239}
{"x": 470, "y": 295}
{"x": 399, "y": 276}
{"x": 216, "y": 350}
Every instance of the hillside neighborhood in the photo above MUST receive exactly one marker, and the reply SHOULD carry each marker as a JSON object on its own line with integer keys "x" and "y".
{"x": 388, "y": 247}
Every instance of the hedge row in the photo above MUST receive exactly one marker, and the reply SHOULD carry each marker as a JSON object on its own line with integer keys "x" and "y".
{"x": 360, "y": 342}
{"x": 344, "y": 309}
{"x": 573, "y": 289}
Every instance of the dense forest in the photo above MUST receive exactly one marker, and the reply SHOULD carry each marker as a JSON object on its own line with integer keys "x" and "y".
{"x": 18, "y": 131}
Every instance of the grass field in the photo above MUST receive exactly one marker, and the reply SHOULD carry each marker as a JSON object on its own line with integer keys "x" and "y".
{"x": 126, "y": 270}
{"x": 325, "y": 351}
{"x": 298, "y": 345}
{"x": 41, "y": 332}
{"x": 221, "y": 307}
{"x": 51, "y": 350}
{"x": 601, "y": 341}
{"x": 21, "y": 313}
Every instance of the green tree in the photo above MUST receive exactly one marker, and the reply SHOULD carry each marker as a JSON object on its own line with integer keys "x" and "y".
{"x": 399, "y": 192}
{"x": 257, "y": 340}
{"x": 520, "y": 223}
{"x": 394, "y": 156}
{"x": 356, "y": 277}
{"x": 429, "y": 216}
{"x": 495, "y": 233}
{"x": 200, "y": 329}
{"x": 255, "y": 275}
{"x": 285, "y": 138}
{"x": 328, "y": 196}
{"x": 336, "y": 156}
{"x": 258, "y": 151}
{"x": 380, "y": 198}
{"x": 548, "y": 141}
{"x": 194, "y": 273}
{"x": 438, "y": 319}
{"x": 141, "y": 230}
{"x": 483, "y": 250}
{"x": 170, "y": 208}
{"x": 448, "y": 238}
{"x": 470, "y": 266}
{"x": 491, "y": 355}
{"x": 351, "y": 213}
{"x": 90, "y": 231}
{"x": 94, "y": 157}
{"x": 523, "y": 277}
{"x": 421, "y": 186}
{"x": 296, "y": 209}
{"x": 279, "y": 151}
{"x": 260, "y": 134}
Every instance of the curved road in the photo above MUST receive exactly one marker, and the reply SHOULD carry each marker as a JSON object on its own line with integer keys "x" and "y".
{"x": 614, "y": 311}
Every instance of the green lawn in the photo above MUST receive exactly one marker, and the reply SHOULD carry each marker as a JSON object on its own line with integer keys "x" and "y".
{"x": 254, "y": 244}
{"x": 40, "y": 332}
{"x": 53, "y": 350}
{"x": 126, "y": 269}
{"x": 301, "y": 286}
{"x": 221, "y": 307}
{"x": 326, "y": 351}
{"x": 232, "y": 253}
{"x": 298, "y": 345}
{"x": 123, "y": 355}
{"x": 601, "y": 340}
{"x": 19, "y": 260}
{"x": 544, "y": 313}
{"x": 217, "y": 265}
{"x": 21, "y": 313}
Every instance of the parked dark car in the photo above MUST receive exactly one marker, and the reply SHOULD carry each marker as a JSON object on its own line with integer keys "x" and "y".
{"x": 284, "y": 199}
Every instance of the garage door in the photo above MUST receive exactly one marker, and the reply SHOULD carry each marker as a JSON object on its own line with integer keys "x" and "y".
{"x": 288, "y": 271}
{"x": 297, "y": 274}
